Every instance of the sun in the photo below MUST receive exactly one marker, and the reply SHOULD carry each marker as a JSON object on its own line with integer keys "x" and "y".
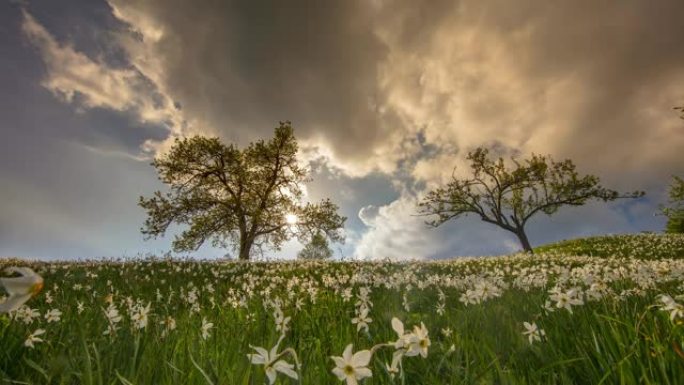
{"x": 291, "y": 219}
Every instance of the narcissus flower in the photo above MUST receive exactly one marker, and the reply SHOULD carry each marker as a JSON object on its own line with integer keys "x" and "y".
{"x": 272, "y": 362}
{"x": 33, "y": 338}
{"x": 533, "y": 332}
{"x": 20, "y": 289}
{"x": 352, "y": 367}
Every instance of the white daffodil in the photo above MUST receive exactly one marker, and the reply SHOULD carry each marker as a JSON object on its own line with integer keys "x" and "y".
{"x": 566, "y": 300}
{"x": 20, "y": 289}
{"x": 33, "y": 338}
{"x": 53, "y": 315}
{"x": 140, "y": 316}
{"x": 26, "y": 314}
{"x": 670, "y": 305}
{"x": 533, "y": 332}
{"x": 393, "y": 368}
{"x": 352, "y": 367}
{"x": 206, "y": 327}
{"x": 362, "y": 320}
{"x": 281, "y": 321}
{"x": 169, "y": 325}
{"x": 272, "y": 363}
{"x": 419, "y": 342}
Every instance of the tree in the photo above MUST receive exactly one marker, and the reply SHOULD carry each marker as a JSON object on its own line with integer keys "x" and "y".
{"x": 246, "y": 198}
{"x": 317, "y": 248}
{"x": 675, "y": 211}
{"x": 509, "y": 197}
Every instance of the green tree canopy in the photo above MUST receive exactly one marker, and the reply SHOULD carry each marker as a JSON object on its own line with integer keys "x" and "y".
{"x": 317, "y": 248}
{"x": 245, "y": 198}
{"x": 509, "y": 196}
{"x": 675, "y": 209}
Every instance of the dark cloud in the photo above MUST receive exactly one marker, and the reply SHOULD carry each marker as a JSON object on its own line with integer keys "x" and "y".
{"x": 247, "y": 65}
{"x": 386, "y": 95}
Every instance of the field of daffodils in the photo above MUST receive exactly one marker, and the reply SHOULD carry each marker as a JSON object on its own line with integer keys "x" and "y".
{"x": 550, "y": 318}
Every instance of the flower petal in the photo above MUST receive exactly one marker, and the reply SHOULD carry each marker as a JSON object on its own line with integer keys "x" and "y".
{"x": 14, "y": 302}
{"x": 361, "y": 358}
{"x": 339, "y": 372}
{"x": 347, "y": 354}
{"x": 398, "y": 326}
{"x": 362, "y": 373}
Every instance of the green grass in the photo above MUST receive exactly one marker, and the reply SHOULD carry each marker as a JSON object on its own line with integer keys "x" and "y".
{"x": 618, "y": 337}
{"x": 643, "y": 246}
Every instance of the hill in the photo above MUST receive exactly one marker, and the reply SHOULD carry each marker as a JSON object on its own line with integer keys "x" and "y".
{"x": 642, "y": 246}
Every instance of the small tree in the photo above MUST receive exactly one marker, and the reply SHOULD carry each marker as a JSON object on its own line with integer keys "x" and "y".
{"x": 675, "y": 211}
{"x": 317, "y": 248}
{"x": 509, "y": 197}
{"x": 241, "y": 197}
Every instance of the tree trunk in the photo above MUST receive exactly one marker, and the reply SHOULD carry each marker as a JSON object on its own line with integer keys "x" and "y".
{"x": 245, "y": 247}
{"x": 520, "y": 233}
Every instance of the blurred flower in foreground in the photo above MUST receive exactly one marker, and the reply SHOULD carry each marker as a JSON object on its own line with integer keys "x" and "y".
{"x": 20, "y": 289}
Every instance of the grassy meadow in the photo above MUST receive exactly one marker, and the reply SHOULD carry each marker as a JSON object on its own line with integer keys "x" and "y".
{"x": 586, "y": 312}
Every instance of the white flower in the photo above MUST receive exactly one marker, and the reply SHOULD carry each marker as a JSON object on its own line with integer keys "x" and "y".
{"x": 676, "y": 310}
{"x": 532, "y": 332}
{"x": 393, "y": 368}
{"x": 26, "y": 314}
{"x": 206, "y": 327}
{"x": 140, "y": 316}
{"x": 20, "y": 289}
{"x": 566, "y": 300}
{"x": 362, "y": 320}
{"x": 352, "y": 367}
{"x": 281, "y": 321}
{"x": 33, "y": 338}
{"x": 398, "y": 327}
{"x": 79, "y": 307}
{"x": 113, "y": 318}
{"x": 418, "y": 342}
{"x": 272, "y": 365}
{"x": 53, "y": 315}
{"x": 170, "y": 325}
{"x": 414, "y": 343}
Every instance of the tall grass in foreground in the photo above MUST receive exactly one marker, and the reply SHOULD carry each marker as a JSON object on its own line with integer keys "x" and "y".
{"x": 603, "y": 320}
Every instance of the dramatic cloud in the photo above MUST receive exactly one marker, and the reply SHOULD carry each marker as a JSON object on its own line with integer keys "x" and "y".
{"x": 75, "y": 78}
{"x": 403, "y": 90}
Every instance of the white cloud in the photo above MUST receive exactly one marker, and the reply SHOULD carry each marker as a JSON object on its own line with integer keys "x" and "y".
{"x": 75, "y": 78}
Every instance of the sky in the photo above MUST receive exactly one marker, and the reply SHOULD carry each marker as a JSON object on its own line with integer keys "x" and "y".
{"x": 386, "y": 97}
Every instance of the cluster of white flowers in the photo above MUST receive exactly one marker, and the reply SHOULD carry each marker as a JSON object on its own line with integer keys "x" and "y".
{"x": 362, "y": 308}
{"x": 566, "y": 282}
{"x": 482, "y": 290}
{"x": 671, "y": 306}
{"x": 353, "y": 367}
{"x": 566, "y": 299}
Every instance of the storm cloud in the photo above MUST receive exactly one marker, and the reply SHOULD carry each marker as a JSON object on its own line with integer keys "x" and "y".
{"x": 397, "y": 92}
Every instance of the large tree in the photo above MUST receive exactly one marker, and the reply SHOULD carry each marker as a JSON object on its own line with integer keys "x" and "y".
{"x": 245, "y": 198}
{"x": 509, "y": 196}
{"x": 674, "y": 211}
